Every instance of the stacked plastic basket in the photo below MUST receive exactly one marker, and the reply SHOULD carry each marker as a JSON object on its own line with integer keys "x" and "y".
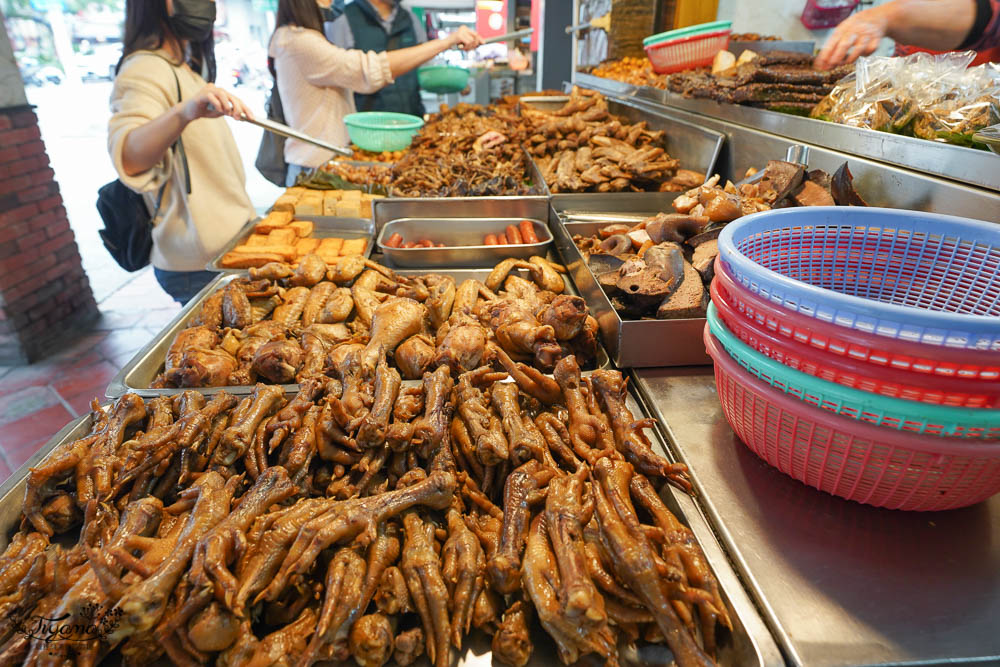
{"x": 858, "y": 351}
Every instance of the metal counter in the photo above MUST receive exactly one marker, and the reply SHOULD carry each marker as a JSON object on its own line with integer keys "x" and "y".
{"x": 839, "y": 583}
{"x": 966, "y": 165}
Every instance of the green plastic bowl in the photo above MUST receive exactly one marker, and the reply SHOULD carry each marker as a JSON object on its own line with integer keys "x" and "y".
{"x": 443, "y": 79}
{"x": 382, "y": 131}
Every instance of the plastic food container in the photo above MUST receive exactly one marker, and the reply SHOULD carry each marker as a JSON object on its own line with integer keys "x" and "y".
{"x": 852, "y": 459}
{"x": 382, "y": 131}
{"x": 687, "y": 48}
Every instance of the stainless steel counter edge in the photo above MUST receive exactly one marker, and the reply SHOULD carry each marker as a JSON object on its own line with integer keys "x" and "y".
{"x": 965, "y": 165}
{"x": 838, "y": 583}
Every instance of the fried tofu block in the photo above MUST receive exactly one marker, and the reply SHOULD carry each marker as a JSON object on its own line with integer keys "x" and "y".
{"x": 353, "y": 247}
{"x": 285, "y": 203}
{"x": 257, "y": 239}
{"x": 303, "y": 228}
{"x": 239, "y": 260}
{"x": 367, "y": 210}
{"x": 286, "y": 252}
{"x": 350, "y": 195}
{"x": 331, "y": 245}
{"x": 297, "y": 191}
{"x": 309, "y": 205}
{"x": 273, "y": 220}
{"x": 349, "y": 209}
{"x": 306, "y": 246}
{"x": 284, "y": 236}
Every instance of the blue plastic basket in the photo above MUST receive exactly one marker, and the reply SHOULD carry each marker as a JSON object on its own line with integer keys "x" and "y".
{"x": 896, "y": 413}
{"x": 381, "y": 131}
{"x": 912, "y": 276}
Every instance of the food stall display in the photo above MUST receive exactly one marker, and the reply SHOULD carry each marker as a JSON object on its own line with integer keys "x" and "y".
{"x": 434, "y": 453}
{"x": 322, "y": 526}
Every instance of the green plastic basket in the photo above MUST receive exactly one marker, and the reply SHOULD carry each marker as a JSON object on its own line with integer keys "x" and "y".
{"x": 875, "y": 409}
{"x": 690, "y": 31}
{"x": 443, "y": 79}
{"x": 382, "y": 131}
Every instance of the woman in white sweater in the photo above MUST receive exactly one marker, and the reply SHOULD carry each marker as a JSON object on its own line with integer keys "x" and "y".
{"x": 317, "y": 80}
{"x": 165, "y": 39}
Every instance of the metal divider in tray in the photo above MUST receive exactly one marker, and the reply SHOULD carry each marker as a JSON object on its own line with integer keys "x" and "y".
{"x": 630, "y": 343}
{"x": 749, "y": 644}
{"x": 324, "y": 227}
{"x": 140, "y": 372}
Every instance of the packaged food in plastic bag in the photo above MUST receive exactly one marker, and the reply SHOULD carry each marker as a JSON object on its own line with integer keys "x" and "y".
{"x": 936, "y": 97}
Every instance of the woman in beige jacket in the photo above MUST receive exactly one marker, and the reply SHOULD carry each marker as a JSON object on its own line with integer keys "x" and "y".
{"x": 165, "y": 39}
{"x": 317, "y": 80}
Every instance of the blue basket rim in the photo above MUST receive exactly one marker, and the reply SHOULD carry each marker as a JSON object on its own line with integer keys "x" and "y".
{"x": 756, "y": 222}
{"x": 357, "y": 119}
{"x": 895, "y": 407}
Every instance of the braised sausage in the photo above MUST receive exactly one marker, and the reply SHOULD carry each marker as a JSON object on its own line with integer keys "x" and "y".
{"x": 513, "y": 235}
{"x": 528, "y": 234}
{"x": 394, "y": 241}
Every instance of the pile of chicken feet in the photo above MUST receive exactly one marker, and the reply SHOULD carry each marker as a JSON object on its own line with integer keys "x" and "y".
{"x": 283, "y": 324}
{"x": 369, "y": 521}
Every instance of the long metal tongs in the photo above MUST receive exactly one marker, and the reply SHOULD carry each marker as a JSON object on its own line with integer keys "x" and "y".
{"x": 285, "y": 131}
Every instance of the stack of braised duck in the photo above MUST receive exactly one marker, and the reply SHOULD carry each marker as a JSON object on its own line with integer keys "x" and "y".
{"x": 361, "y": 519}
{"x": 285, "y": 324}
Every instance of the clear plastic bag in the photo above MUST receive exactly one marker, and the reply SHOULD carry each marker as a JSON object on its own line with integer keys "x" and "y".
{"x": 936, "y": 97}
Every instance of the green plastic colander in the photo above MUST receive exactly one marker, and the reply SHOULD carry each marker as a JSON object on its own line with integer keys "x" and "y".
{"x": 443, "y": 79}
{"x": 382, "y": 131}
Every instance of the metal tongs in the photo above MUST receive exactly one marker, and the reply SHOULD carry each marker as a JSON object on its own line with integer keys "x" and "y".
{"x": 796, "y": 153}
{"x": 510, "y": 35}
{"x": 285, "y": 131}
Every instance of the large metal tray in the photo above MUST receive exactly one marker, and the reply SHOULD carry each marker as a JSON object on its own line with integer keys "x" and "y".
{"x": 749, "y": 645}
{"x": 324, "y": 227}
{"x": 840, "y": 583}
{"x": 631, "y": 343}
{"x": 142, "y": 369}
{"x": 463, "y": 238}
{"x": 698, "y": 148}
{"x": 966, "y": 165}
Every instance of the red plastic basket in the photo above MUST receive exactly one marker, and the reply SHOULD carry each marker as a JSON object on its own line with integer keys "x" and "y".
{"x": 858, "y": 346}
{"x": 832, "y": 368}
{"x": 852, "y": 459}
{"x": 684, "y": 53}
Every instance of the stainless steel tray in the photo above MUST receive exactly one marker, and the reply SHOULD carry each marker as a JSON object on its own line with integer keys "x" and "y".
{"x": 324, "y": 227}
{"x": 463, "y": 238}
{"x": 631, "y": 343}
{"x": 957, "y": 163}
{"x": 142, "y": 369}
{"x": 698, "y": 148}
{"x": 749, "y": 645}
{"x": 395, "y": 208}
{"x": 839, "y": 583}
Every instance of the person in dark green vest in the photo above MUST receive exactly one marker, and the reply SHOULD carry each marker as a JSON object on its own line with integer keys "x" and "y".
{"x": 381, "y": 25}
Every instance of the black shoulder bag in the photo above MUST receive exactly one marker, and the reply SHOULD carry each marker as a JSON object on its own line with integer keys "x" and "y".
{"x": 128, "y": 226}
{"x": 270, "y": 160}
